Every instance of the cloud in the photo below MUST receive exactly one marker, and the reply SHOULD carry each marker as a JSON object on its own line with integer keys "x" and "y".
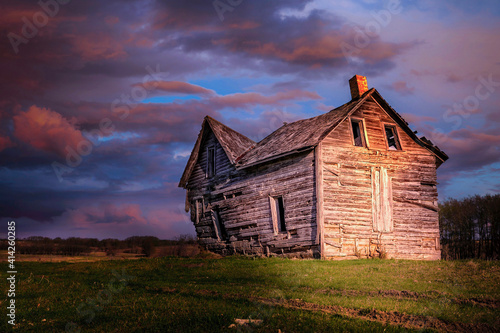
{"x": 5, "y": 143}
{"x": 181, "y": 88}
{"x": 46, "y": 130}
{"x": 239, "y": 100}
{"x": 265, "y": 124}
{"x": 414, "y": 119}
{"x": 316, "y": 52}
{"x": 106, "y": 213}
{"x": 402, "y": 88}
{"x": 493, "y": 116}
{"x": 310, "y": 42}
{"x": 179, "y": 121}
{"x": 97, "y": 46}
{"x": 111, "y": 20}
{"x": 470, "y": 149}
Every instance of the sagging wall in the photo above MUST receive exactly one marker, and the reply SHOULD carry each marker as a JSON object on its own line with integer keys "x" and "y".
{"x": 364, "y": 187}
{"x": 232, "y": 210}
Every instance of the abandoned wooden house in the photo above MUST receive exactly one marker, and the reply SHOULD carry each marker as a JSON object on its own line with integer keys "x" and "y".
{"x": 355, "y": 182}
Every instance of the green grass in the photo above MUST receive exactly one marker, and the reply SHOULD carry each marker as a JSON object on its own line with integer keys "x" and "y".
{"x": 206, "y": 295}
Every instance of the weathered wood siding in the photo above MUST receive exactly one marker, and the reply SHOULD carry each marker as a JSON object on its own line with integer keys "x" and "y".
{"x": 237, "y": 201}
{"x": 349, "y": 200}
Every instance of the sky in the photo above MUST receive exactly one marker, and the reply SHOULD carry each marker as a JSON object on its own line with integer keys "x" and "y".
{"x": 101, "y": 101}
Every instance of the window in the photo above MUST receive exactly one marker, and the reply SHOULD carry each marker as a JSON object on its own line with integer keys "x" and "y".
{"x": 278, "y": 214}
{"x": 358, "y": 133}
{"x": 392, "y": 137}
{"x": 210, "y": 162}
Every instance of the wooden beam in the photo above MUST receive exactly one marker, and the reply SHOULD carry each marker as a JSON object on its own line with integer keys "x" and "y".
{"x": 318, "y": 165}
{"x": 417, "y": 203}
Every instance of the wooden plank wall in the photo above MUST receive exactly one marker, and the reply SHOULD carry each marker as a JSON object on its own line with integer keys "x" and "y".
{"x": 347, "y": 187}
{"x": 241, "y": 198}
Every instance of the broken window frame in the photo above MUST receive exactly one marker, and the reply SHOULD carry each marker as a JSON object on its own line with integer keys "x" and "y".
{"x": 277, "y": 204}
{"x": 362, "y": 132}
{"x": 397, "y": 143}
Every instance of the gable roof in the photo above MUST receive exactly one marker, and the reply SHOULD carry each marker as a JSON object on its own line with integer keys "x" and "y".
{"x": 422, "y": 141}
{"x": 295, "y": 137}
{"x": 233, "y": 143}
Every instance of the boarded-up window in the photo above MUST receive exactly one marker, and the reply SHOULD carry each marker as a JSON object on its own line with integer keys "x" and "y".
{"x": 392, "y": 137}
{"x": 210, "y": 162}
{"x": 381, "y": 200}
{"x": 358, "y": 133}
{"x": 278, "y": 214}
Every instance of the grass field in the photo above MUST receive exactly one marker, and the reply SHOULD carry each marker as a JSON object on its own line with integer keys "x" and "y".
{"x": 208, "y": 294}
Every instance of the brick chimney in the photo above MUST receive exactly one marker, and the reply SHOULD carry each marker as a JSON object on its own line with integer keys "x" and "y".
{"x": 358, "y": 86}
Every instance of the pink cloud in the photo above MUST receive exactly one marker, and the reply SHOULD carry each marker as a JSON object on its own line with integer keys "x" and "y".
{"x": 324, "y": 50}
{"x": 402, "y": 88}
{"x": 168, "y": 216}
{"x": 46, "y": 130}
{"x": 182, "y": 88}
{"x": 493, "y": 116}
{"x": 416, "y": 119}
{"x": 244, "y": 25}
{"x": 99, "y": 46}
{"x": 111, "y": 20}
{"x": 252, "y": 98}
{"x": 470, "y": 149}
{"x": 5, "y": 142}
{"x": 13, "y": 16}
{"x": 268, "y": 121}
{"x": 105, "y": 214}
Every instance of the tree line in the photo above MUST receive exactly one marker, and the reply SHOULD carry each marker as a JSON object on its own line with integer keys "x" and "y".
{"x": 74, "y": 246}
{"x": 470, "y": 227}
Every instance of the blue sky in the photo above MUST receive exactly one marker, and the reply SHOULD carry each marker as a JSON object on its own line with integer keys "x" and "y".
{"x": 101, "y": 102}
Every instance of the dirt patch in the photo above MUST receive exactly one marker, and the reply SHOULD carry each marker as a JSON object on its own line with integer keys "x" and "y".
{"x": 404, "y": 320}
{"x": 487, "y": 303}
{"x": 386, "y": 317}
{"x": 413, "y": 295}
{"x": 400, "y": 294}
